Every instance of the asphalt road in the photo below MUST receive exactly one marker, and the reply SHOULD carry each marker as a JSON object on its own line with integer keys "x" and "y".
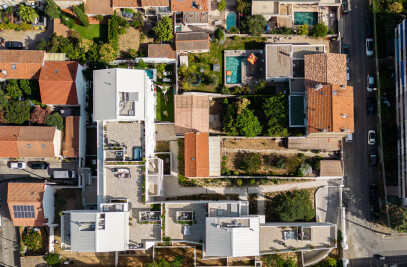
{"x": 362, "y": 241}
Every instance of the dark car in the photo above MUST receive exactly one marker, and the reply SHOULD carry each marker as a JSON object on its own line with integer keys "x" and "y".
{"x": 39, "y": 165}
{"x": 345, "y": 7}
{"x": 369, "y": 31}
{"x": 373, "y": 158}
{"x": 14, "y": 45}
{"x": 345, "y": 50}
{"x": 371, "y": 106}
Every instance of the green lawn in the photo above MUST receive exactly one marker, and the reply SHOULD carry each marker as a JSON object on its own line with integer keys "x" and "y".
{"x": 165, "y": 111}
{"x": 215, "y": 56}
{"x": 94, "y": 32}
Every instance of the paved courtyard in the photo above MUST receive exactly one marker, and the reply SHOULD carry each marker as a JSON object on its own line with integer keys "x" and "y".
{"x": 126, "y": 134}
{"x": 174, "y": 230}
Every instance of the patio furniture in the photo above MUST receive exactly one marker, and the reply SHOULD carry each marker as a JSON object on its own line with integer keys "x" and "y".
{"x": 167, "y": 80}
{"x": 167, "y": 73}
{"x": 288, "y": 235}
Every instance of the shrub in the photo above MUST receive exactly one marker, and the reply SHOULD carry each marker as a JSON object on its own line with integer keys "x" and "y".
{"x": 85, "y": 44}
{"x": 107, "y": 53}
{"x": 163, "y": 29}
{"x": 56, "y": 120}
{"x": 221, "y": 5}
{"x": 133, "y": 53}
{"x": 32, "y": 239}
{"x": 178, "y": 260}
{"x": 25, "y": 86}
{"x": 251, "y": 163}
{"x": 252, "y": 182}
{"x": 99, "y": 18}
{"x": 13, "y": 90}
{"x": 253, "y": 25}
{"x": 234, "y": 29}
{"x": 243, "y": 6}
{"x": 239, "y": 182}
{"x": 52, "y": 9}
{"x": 320, "y": 30}
{"x": 67, "y": 21}
{"x": 53, "y": 259}
{"x": 3, "y": 100}
{"x": 304, "y": 170}
{"x": 294, "y": 206}
{"x": 27, "y": 13}
{"x": 42, "y": 45}
{"x": 283, "y": 30}
{"x": 81, "y": 15}
{"x": 280, "y": 164}
{"x": 303, "y": 29}
{"x": 248, "y": 124}
{"x": 219, "y": 34}
{"x": 39, "y": 115}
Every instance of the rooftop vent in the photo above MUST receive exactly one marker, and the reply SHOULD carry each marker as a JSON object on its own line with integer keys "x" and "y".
{"x": 344, "y": 116}
{"x": 318, "y": 86}
{"x": 334, "y": 92}
{"x": 343, "y": 86}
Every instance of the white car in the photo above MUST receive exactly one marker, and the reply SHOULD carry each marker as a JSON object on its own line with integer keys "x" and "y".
{"x": 369, "y": 47}
{"x": 347, "y": 74}
{"x": 18, "y": 165}
{"x": 370, "y": 83}
{"x": 371, "y": 137}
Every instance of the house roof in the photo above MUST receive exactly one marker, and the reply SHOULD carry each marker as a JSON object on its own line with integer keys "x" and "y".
{"x": 331, "y": 168}
{"x": 191, "y": 113}
{"x": 126, "y": 3}
{"x": 325, "y": 68}
{"x": 161, "y": 51}
{"x": 232, "y": 241}
{"x": 330, "y": 109}
{"x": 27, "y": 141}
{"x": 190, "y": 5}
{"x": 96, "y": 7}
{"x": 26, "y": 194}
{"x": 57, "y": 83}
{"x": 71, "y": 144}
{"x": 196, "y": 147}
{"x": 21, "y": 64}
{"x": 60, "y": 29}
{"x": 162, "y": 3}
{"x": 278, "y": 60}
{"x": 192, "y": 41}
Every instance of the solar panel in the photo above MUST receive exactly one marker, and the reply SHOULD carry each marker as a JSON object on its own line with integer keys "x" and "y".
{"x": 23, "y": 211}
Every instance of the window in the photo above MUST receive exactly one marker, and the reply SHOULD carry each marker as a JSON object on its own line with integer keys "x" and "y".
{"x": 29, "y": 146}
{"x": 23, "y": 211}
{"x": 13, "y": 66}
{"x": 43, "y": 146}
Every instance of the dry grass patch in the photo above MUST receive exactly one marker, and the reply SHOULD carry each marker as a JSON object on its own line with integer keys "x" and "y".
{"x": 129, "y": 40}
{"x": 252, "y": 143}
{"x": 172, "y": 254}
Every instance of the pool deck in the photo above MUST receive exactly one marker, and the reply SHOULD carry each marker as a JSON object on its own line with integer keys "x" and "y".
{"x": 247, "y": 72}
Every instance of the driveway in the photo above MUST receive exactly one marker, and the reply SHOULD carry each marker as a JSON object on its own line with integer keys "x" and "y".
{"x": 29, "y": 38}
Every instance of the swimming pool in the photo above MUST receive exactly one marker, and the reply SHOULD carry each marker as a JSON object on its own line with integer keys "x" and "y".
{"x": 310, "y": 18}
{"x": 234, "y": 64}
{"x": 150, "y": 74}
{"x": 230, "y": 20}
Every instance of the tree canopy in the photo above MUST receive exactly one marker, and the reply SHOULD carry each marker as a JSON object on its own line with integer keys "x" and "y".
{"x": 163, "y": 29}
{"x": 52, "y": 9}
{"x": 27, "y": 13}
{"x": 320, "y": 30}
{"x": 253, "y": 25}
{"x": 248, "y": 124}
{"x": 17, "y": 112}
{"x": 56, "y": 120}
{"x": 13, "y": 90}
{"x": 275, "y": 109}
{"x": 294, "y": 206}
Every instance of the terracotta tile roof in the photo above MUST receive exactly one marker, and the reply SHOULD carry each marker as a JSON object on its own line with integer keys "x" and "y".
{"x": 325, "y": 68}
{"x": 331, "y": 168}
{"x": 161, "y": 50}
{"x": 57, "y": 83}
{"x": 191, "y": 113}
{"x": 192, "y": 41}
{"x": 162, "y": 3}
{"x": 27, "y": 194}
{"x": 71, "y": 145}
{"x": 187, "y": 5}
{"x": 21, "y": 64}
{"x": 196, "y": 154}
{"x": 330, "y": 109}
{"x": 126, "y": 3}
{"x": 27, "y": 141}
{"x": 60, "y": 29}
{"x": 96, "y": 7}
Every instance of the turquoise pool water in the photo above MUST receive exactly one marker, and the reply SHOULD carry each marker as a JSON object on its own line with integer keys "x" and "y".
{"x": 233, "y": 64}
{"x": 150, "y": 74}
{"x": 230, "y": 20}
{"x": 310, "y": 18}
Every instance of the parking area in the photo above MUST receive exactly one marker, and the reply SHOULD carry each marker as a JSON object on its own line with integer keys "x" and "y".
{"x": 176, "y": 223}
{"x": 28, "y": 38}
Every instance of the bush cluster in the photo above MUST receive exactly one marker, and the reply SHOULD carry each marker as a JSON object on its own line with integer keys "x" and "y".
{"x": 81, "y": 15}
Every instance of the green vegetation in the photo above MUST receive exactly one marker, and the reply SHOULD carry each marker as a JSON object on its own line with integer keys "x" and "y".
{"x": 17, "y": 112}
{"x": 277, "y": 260}
{"x": 165, "y": 105}
{"x": 53, "y": 259}
{"x": 320, "y": 30}
{"x": 244, "y": 7}
{"x": 302, "y": 29}
{"x": 32, "y": 239}
{"x": 81, "y": 15}
{"x": 221, "y": 5}
{"x": 239, "y": 120}
{"x": 52, "y": 9}
{"x": 163, "y": 29}
{"x": 27, "y": 13}
{"x": 39, "y": 115}
{"x": 219, "y": 34}
{"x": 294, "y": 206}
{"x": 276, "y": 111}
{"x": 94, "y": 32}
{"x": 253, "y": 25}
{"x": 56, "y": 120}
{"x": 251, "y": 163}
{"x": 398, "y": 217}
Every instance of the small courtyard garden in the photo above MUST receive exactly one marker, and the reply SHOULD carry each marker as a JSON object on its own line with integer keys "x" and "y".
{"x": 33, "y": 241}
{"x": 165, "y": 103}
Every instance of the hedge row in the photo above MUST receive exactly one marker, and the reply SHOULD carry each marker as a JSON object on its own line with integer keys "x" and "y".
{"x": 19, "y": 27}
{"x": 81, "y": 16}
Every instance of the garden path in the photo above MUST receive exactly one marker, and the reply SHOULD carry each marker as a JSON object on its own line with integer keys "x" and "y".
{"x": 278, "y": 151}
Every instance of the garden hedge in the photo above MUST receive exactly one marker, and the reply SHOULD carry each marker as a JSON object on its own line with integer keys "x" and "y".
{"x": 81, "y": 15}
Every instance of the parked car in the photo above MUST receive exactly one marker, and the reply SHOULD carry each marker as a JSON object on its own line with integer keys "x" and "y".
{"x": 349, "y": 138}
{"x": 38, "y": 165}
{"x": 371, "y": 137}
{"x": 345, "y": 7}
{"x": 14, "y": 45}
{"x": 17, "y": 165}
{"x": 345, "y": 50}
{"x": 369, "y": 47}
{"x": 369, "y": 31}
{"x": 64, "y": 174}
{"x": 373, "y": 158}
{"x": 347, "y": 74}
{"x": 370, "y": 83}
{"x": 371, "y": 106}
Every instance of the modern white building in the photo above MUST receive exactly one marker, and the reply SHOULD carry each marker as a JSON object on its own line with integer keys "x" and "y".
{"x": 401, "y": 104}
